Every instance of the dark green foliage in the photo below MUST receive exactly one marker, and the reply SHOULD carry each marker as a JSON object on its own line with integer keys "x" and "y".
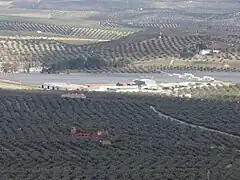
{"x": 77, "y": 63}
{"x": 191, "y": 50}
{"x": 36, "y": 142}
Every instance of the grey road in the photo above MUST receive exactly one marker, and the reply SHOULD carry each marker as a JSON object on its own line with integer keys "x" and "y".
{"x": 37, "y": 78}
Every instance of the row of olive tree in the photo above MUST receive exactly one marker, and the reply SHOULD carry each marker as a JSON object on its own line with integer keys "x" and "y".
{"x": 82, "y": 63}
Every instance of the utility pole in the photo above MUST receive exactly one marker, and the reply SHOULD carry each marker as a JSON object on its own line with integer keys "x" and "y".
{"x": 237, "y": 106}
{"x": 49, "y": 15}
{"x": 208, "y": 175}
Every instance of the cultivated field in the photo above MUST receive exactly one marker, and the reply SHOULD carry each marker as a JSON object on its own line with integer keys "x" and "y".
{"x": 150, "y": 137}
{"x": 138, "y": 33}
{"x": 36, "y": 141}
{"x": 137, "y": 49}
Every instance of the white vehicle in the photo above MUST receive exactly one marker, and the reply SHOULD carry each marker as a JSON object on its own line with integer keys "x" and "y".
{"x": 208, "y": 78}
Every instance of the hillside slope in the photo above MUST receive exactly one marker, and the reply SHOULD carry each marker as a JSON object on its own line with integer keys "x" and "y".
{"x": 36, "y": 141}
{"x": 152, "y": 44}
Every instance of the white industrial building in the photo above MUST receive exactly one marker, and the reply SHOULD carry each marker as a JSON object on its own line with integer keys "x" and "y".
{"x": 53, "y": 86}
{"x": 60, "y": 86}
{"x": 136, "y": 86}
{"x": 205, "y": 52}
{"x": 209, "y": 51}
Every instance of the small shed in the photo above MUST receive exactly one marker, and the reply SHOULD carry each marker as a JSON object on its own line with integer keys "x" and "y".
{"x": 105, "y": 142}
{"x": 54, "y": 86}
{"x": 205, "y": 52}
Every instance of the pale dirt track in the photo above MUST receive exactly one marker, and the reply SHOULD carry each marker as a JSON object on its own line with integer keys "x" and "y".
{"x": 194, "y": 126}
{"x": 7, "y": 84}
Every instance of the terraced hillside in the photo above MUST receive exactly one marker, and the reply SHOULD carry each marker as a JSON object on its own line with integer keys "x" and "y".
{"x": 170, "y": 16}
{"x": 163, "y": 19}
{"x": 139, "y": 33}
{"x": 141, "y": 47}
{"x": 134, "y": 13}
{"x": 88, "y": 33}
{"x": 36, "y": 141}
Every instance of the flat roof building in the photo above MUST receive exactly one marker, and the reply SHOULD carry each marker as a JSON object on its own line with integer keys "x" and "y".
{"x": 60, "y": 86}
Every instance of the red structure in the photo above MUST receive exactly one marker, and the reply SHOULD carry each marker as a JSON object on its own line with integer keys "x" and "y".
{"x": 89, "y": 134}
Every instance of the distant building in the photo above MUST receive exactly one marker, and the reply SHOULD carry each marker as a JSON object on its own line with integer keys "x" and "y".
{"x": 205, "y": 52}
{"x": 54, "y": 86}
{"x": 209, "y": 51}
{"x": 186, "y": 96}
{"x": 216, "y": 51}
{"x": 60, "y": 86}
